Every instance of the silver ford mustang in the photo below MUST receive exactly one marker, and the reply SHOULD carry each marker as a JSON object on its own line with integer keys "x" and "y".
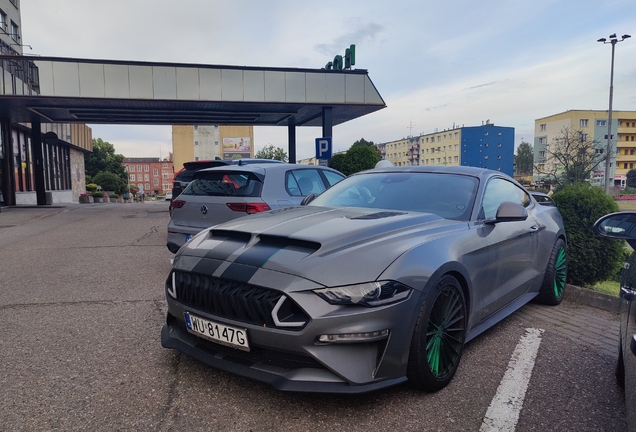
{"x": 381, "y": 279}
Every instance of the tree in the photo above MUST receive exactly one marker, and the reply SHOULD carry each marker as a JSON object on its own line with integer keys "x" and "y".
{"x": 524, "y": 159}
{"x": 104, "y": 159}
{"x": 271, "y": 152}
{"x": 110, "y": 182}
{"x": 571, "y": 159}
{"x": 370, "y": 144}
{"x": 358, "y": 158}
{"x": 337, "y": 162}
{"x": 631, "y": 178}
{"x": 591, "y": 258}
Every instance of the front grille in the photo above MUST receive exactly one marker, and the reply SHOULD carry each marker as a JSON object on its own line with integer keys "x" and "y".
{"x": 232, "y": 300}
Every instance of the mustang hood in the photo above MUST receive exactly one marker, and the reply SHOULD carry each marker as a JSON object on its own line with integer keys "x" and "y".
{"x": 326, "y": 245}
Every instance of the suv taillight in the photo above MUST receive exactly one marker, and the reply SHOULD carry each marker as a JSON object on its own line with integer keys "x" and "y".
{"x": 177, "y": 203}
{"x": 248, "y": 207}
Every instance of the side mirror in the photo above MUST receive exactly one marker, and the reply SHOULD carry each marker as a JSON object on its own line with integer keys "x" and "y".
{"x": 621, "y": 225}
{"x": 509, "y": 212}
{"x": 309, "y": 198}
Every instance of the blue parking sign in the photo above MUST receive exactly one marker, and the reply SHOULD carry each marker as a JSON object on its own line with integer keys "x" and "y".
{"x": 323, "y": 148}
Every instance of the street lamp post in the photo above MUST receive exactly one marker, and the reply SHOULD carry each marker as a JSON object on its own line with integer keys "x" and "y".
{"x": 613, "y": 40}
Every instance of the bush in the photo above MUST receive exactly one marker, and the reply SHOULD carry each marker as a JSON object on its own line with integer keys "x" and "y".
{"x": 591, "y": 258}
{"x": 98, "y": 194}
{"x": 91, "y": 187}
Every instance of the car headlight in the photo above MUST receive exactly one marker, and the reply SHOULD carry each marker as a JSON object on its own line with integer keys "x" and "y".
{"x": 368, "y": 294}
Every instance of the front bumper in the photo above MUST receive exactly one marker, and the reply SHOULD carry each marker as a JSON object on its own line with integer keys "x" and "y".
{"x": 293, "y": 360}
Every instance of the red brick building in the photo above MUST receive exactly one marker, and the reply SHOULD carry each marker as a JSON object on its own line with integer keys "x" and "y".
{"x": 152, "y": 174}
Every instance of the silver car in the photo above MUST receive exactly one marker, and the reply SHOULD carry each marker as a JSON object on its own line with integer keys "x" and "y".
{"x": 220, "y": 194}
{"x": 381, "y": 279}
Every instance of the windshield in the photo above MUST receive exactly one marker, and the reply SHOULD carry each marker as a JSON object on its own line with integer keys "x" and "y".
{"x": 447, "y": 195}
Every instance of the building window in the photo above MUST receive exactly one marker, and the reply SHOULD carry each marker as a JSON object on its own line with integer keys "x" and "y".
{"x": 216, "y": 143}
{"x": 196, "y": 143}
{"x": 196, "y": 127}
{"x": 155, "y": 172}
{"x": 165, "y": 175}
{"x": 146, "y": 168}
{"x": 14, "y": 32}
{"x": 166, "y": 186}
{"x": 542, "y": 127}
{"x": 165, "y": 165}
{"x": 131, "y": 168}
{"x": 583, "y": 123}
{"x": 583, "y": 137}
{"x": 140, "y": 177}
{"x": 147, "y": 186}
{"x": 498, "y": 156}
{"x": 3, "y": 20}
{"x": 541, "y": 154}
{"x": 139, "y": 168}
{"x": 601, "y": 123}
{"x": 486, "y": 134}
{"x": 455, "y": 158}
{"x": 132, "y": 177}
{"x": 486, "y": 145}
{"x": 456, "y": 147}
{"x": 196, "y": 158}
{"x": 156, "y": 182}
{"x": 486, "y": 157}
{"x": 625, "y": 165}
{"x": 146, "y": 177}
{"x": 543, "y": 140}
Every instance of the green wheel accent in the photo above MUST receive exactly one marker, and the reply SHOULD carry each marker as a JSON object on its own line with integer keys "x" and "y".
{"x": 560, "y": 272}
{"x": 445, "y": 333}
{"x": 553, "y": 286}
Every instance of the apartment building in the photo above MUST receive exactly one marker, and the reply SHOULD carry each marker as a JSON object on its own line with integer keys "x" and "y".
{"x": 153, "y": 175}
{"x": 485, "y": 146}
{"x": 591, "y": 124}
{"x": 208, "y": 142}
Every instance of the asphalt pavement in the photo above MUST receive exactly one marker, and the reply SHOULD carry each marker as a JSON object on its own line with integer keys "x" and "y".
{"x": 81, "y": 307}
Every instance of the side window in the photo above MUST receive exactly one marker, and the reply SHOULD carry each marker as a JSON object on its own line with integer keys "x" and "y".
{"x": 304, "y": 182}
{"x": 332, "y": 177}
{"x": 499, "y": 190}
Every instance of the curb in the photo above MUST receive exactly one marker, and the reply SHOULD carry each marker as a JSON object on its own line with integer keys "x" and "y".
{"x": 591, "y": 298}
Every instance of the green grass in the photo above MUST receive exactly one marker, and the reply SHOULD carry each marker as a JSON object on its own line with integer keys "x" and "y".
{"x": 607, "y": 287}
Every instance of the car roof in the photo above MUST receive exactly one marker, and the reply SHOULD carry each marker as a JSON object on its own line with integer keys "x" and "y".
{"x": 461, "y": 170}
{"x": 263, "y": 168}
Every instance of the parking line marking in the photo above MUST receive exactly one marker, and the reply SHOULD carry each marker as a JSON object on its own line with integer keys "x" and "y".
{"x": 503, "y": 412}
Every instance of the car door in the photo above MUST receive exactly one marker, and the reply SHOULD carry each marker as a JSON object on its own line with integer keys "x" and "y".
{"x": 503, "y": 263}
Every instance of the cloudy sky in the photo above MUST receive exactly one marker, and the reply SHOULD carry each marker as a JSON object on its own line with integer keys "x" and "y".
{"x": 435, "y": 63}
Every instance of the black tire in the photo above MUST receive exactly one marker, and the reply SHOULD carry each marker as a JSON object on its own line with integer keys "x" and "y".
{"x": 438, "y": 339}
{"x": 553, "y": 287}
{"x": 620, "y": 367}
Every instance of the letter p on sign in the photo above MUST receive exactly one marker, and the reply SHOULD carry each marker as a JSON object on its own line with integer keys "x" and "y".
{"x": 323, "y": 148}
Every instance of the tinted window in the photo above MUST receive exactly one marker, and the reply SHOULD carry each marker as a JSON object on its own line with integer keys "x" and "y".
{"x": 304, "y": 182}
{"x": 224, "y": 183}
{"x": 332, "y": 177}
{"x": 499, "y": 190}
{"x": 447, "y": 195}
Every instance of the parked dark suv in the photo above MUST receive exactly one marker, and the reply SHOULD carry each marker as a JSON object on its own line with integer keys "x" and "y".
{"x": 184, "y": 176}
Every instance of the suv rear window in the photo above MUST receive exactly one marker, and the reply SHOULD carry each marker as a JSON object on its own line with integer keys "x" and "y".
{"x": 224, "y": 183}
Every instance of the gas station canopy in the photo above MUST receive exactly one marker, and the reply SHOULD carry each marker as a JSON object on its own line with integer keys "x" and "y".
{"x": 66, "y": 90}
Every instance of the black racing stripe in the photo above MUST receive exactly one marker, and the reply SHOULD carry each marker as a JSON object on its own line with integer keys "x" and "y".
{"x": 239, "y": 273}
{"x": 206, "y": 266}
{"x": 224, "y": 250}
{"x": 258, "y": 254}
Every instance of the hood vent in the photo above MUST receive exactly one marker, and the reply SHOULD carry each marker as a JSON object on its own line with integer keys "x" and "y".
{"x": 283, "y": 242}
{"x": 243, "y": 237}
{"x": 379, "y": 215}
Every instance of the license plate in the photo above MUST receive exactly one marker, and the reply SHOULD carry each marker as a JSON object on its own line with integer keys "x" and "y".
{"x": 216, "y": 332}
{"x": 188, "y": 237}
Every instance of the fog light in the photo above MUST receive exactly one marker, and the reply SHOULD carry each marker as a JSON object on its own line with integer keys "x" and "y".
{"x": 354, "y": 337}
